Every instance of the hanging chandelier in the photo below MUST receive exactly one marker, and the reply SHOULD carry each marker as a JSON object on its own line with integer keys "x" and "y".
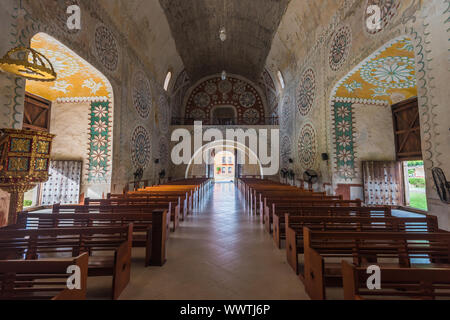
{"x": 29, "y": 64}
{"x": 223, "y": 34}
{"x": 224, "y": 75}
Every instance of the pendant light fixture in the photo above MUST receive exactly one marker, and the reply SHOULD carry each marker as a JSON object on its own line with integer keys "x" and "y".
{"x": 29, "y": 64}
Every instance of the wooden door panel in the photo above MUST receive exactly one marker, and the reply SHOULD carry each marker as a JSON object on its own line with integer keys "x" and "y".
{"x": 36, "y": 113}
{"x": 406, "y": 120}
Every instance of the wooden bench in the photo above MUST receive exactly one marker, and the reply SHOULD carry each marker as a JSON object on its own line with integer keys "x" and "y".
{"x": 280, "y": 217}
{"x": 132, "y": 209}
{"x": 149, "y": 229}
{"x": 396, "y": 283}
{"x": 398, "y": 249}
{"x": 135, "y": 205}
{"x": 296, "y": 226}
{"x": 109, "y": 249}
{"x": 305, "y": 202}
{"x": 42, "y": 279}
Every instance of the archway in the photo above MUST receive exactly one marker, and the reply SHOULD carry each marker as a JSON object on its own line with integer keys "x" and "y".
{"x": 80, "y": 113}
{"x": 365, "y": 149}
{"x": 246, "y": 161}
{"x": 224, "y": 166}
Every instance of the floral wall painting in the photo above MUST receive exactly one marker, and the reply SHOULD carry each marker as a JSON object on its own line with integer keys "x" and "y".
{"x": 340, "y": 47}
{"x": 100, "y": 151}
{"x": 141, "y": 95}
{"x": 307, "y": 146}
{"x": 306, "y": 92}
{"x": 140, "y": 148}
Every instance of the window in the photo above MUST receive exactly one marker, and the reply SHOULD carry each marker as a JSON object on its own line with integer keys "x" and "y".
{"x": 281, "y": 79}
{"x": 36, "y": 113}
{"x": 167, "y": 81}
{"x": 230, "y": 170}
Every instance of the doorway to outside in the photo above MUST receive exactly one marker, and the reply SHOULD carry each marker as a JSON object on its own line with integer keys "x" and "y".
{"x": 415, "y": 186}
{"x": 224, "y": 167}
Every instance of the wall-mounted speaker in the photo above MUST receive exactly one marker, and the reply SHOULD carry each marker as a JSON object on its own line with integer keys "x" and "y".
{"x": 325, "y": 156}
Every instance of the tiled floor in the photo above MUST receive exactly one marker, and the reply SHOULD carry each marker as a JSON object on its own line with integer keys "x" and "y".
{"x": 219, "y": 252}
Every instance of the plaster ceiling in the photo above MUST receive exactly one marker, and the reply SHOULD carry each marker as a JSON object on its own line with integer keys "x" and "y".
{"x": 298, "y": 32}
{"x": 145, "y": 27}
{"x": 76, "y": 79}
{"x": 250, "y": 25}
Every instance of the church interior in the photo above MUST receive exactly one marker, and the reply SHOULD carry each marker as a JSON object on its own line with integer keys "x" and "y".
{"x": 224, "y": 150}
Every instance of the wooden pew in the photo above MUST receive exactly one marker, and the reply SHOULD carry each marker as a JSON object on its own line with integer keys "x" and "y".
{"x": 149, "y": 229}
{"x": 135, "y": 209}
{"x": 109, "y": 249}
{"x": 42, "y": 279}
{"x": 305, "y": 202}
{"x": 404, "y": 283}
{"x": 250, "y": 188}
{"x": 180, "y": 198}
{"x": 367, "y": 248}
{"x": 295, "y": 230}
{"x": 141, "y": 205}
{"x": 281, "y": 220}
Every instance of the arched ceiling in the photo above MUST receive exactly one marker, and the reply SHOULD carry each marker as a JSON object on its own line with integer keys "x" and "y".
{"x": 298, "y": 31}
{"x": 250, "y": 25}
{"x": 145, "y": 27}
{"x": 77, "y": 80}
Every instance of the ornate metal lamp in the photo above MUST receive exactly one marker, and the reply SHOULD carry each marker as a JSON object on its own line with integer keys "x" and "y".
{"x": 24, "y": 162}
{"x": 29, "y": 64}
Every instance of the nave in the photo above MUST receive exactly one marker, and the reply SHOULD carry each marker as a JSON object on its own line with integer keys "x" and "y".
{"x": 220, "y": 252}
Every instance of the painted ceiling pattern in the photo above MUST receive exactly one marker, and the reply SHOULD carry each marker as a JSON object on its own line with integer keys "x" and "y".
{"x": 76, "y": 80}
{"x": 231, "y": 92}
{"x": 388, "y": 74}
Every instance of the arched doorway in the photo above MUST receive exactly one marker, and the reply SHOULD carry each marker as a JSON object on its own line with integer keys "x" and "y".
{"x": 78, "y": 109}
{"x": 224, "y": 166}
{"x": 375, "y": 119}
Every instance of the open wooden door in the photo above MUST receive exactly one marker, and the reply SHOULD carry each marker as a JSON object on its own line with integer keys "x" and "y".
{"x": 408, "y": 145}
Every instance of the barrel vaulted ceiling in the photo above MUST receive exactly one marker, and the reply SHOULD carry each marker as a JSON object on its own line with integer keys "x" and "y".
{"x": 145, "y": 26}
{"x": 250, "y": 26}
